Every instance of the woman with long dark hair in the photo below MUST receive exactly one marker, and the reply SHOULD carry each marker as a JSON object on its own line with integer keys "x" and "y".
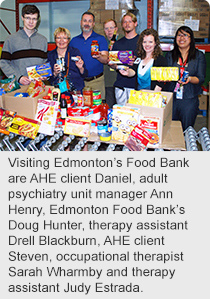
{"x": 185, "y": 92}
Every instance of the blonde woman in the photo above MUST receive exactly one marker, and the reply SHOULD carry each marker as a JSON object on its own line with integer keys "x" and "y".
{"x": 74, "y": 71}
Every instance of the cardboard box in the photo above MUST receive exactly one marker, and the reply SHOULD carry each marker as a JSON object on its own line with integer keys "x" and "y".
{"x": 165, "y": 114}
{"x": 23, "y": 106}
{"x": 203, "y": 102}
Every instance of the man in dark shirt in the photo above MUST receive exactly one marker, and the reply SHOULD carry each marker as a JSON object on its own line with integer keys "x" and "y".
{"x": 123, "y": 84}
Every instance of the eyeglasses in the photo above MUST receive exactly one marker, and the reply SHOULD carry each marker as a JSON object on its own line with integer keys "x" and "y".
{"x": 30, "y": 19}
{"x": 183, "y": 35}
{"x": 110, "y": 28}
{"x": 62, "y": 38}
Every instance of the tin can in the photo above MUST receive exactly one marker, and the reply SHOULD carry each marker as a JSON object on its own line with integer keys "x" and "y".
{"x": 61, "y": 62}
{"x": 102, "y": 126}
{"x": 96, "y": 97}
{"x": 185, "y": 76}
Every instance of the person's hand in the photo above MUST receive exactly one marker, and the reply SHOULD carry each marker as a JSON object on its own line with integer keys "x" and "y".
{"x": 132, "y": 60}
{"x": 185, "y": 82}
{"x": 124, "y": 72}
{"x": 79, "y": 63}
{"x": 57, "y": 69}
{"x": 97, "y": 56}
{"x": 24, "y": 80}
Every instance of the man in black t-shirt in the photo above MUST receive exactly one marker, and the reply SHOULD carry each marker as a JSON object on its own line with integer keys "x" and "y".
{"x": 124, "y": 84}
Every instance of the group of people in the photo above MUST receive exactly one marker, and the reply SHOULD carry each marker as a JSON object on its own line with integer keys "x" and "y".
{"x": 27, "y": 47}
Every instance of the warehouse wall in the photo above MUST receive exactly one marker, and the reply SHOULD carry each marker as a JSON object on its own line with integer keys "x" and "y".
{"x": 66, "y": 14}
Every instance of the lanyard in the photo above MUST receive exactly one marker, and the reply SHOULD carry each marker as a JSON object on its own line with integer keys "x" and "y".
{"x": 182, "y": 65}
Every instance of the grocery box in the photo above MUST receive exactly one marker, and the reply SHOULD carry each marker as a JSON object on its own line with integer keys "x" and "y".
{"x": 203, "y": 101}
{"x": 1, "y": 101}
{"x": 165, "y": 114}
{"x": 24, "y": 106}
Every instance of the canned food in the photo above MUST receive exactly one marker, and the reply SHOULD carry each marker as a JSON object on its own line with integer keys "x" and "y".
{"x": 74, "y": 58}
{"x": 96, "y": 97}
{"x": 61, "y": 62}
{"x": 102, "y": 126}
{"x": 185, "y": 76}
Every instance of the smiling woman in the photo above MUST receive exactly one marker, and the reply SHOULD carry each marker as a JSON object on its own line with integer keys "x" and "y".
{"x": 73, "y": 72}
{"x": 185, "y": 94}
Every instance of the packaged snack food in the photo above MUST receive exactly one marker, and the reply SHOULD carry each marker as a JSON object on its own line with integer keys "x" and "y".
{"x": 47, "y": 113}
{"x": 138, "y": 139}
{"x": 121, "y": 57}
{"x": 151, "y": 125}
{"x": 35, "y": 88}
{"x": 124, "y": 119}
{"x": 144, "y": 98}
{"x": 6, "y": 118}
{"x": 39, "y": 71}
{"x": 24, "y": 126}
{"x": 77, "y": 126}
{"x": 9, "y": 84}
{"x": 165, "y": 73}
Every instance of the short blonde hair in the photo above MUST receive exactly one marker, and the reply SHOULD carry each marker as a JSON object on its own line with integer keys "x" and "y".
{"x": 64, "y": 30}
{"x": 110, "y": 20}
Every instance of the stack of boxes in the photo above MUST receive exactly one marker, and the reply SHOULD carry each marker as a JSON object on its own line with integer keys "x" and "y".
{"x": 173, "y": 13}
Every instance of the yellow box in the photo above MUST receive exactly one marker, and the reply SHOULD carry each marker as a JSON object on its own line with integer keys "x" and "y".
{"x": 165, "y": 73}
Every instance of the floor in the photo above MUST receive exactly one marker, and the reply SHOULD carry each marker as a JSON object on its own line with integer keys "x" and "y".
{"x": 201, "y": 121}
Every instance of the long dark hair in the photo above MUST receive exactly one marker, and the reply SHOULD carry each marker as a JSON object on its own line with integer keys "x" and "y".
{"x": 140, "y": 50}
{"x": 192, "y": 51}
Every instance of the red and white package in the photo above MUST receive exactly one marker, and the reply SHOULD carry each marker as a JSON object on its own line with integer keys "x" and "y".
{"x": 47, "y": 113}
{"x": 138, "y": 139}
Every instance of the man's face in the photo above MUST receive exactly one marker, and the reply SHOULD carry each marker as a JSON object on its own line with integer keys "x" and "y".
{"x": 30, "y": 21}
{"x": 109, "y": 29}
{"x": 87, "y": 23}
{"x": 128, "y": 25}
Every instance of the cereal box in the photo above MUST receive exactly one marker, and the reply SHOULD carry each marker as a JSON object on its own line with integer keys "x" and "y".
{"x": 24, "y": 126}
{"x": 47, "y": 113}
{"x": 121, "y": 57}
{"x": 77, "y": 126}
{"x": 39, "y": 71}
{"x": 124, "y": 119}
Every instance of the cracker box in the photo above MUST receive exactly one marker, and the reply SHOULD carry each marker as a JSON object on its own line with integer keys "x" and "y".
{"x": 39, "y": 71}
{"x": 47, "y": 113}
{"x": 121, "y": 57}
{"x": 77, "y": 126}
{"x": 124, "y": 119}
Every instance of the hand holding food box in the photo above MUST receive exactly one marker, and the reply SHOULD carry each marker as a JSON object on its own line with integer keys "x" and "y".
{"x": 121, "y": 57}
{"x": 39, "y": 71}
